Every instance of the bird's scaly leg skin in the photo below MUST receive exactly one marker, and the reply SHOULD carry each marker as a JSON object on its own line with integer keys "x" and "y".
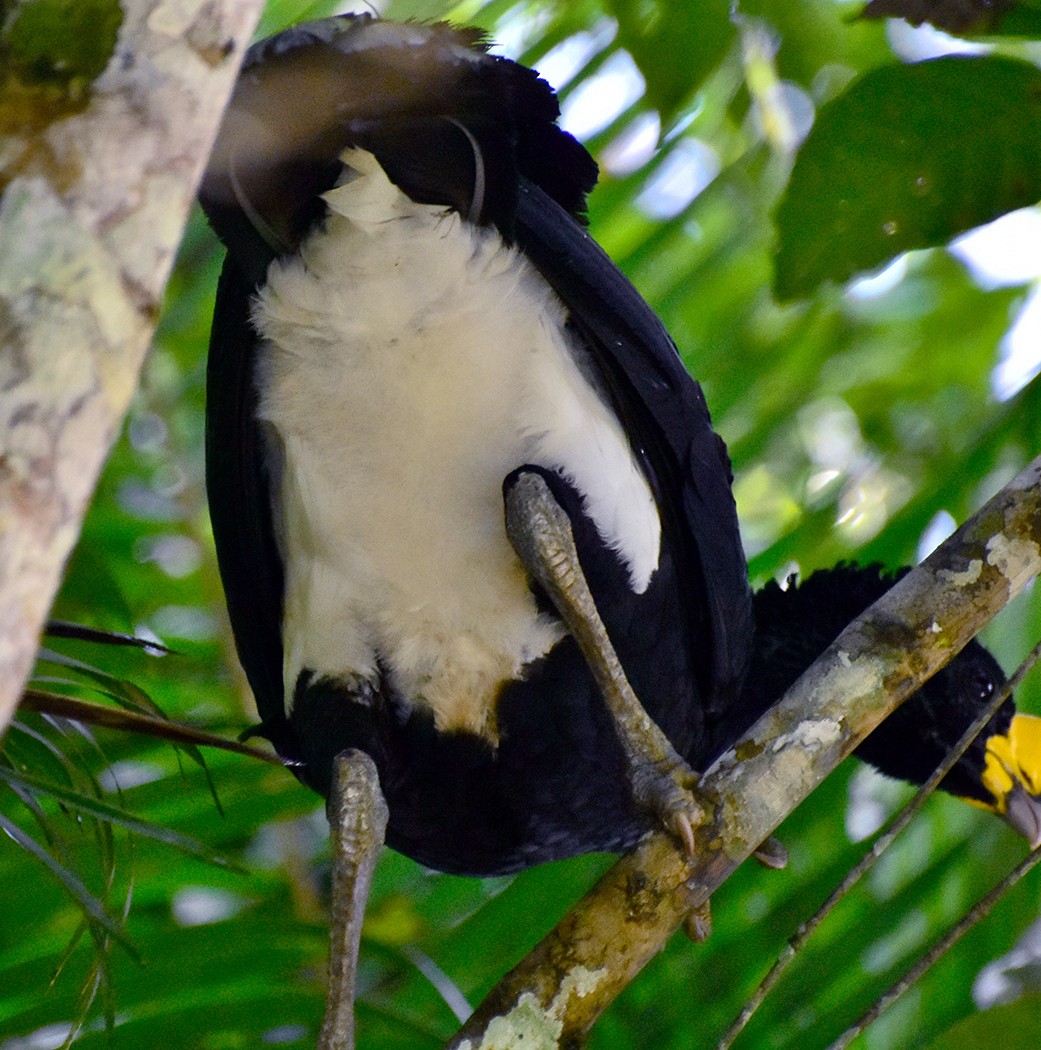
{"x": 357, "y": 822}
{"x": 540, "y": 532}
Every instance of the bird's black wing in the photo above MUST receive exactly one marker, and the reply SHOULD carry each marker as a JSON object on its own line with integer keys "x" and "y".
{"x": 238, "y": 490}
{"x": 664, "y": 413}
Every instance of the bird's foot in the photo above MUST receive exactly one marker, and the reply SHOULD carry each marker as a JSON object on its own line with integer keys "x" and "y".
{"x": 667, "y": 788}
{"x": 540, "y": 531}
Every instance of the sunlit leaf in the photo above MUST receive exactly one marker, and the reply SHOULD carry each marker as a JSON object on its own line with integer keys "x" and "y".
{"x": 908, "y": 157}
{"x": 676, "y": 46}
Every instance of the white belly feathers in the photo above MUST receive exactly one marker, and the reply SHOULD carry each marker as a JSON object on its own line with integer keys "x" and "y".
{"x": 410, "y": 362}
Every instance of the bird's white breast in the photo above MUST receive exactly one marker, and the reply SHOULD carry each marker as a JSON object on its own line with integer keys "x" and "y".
{"x": 410, "y": 361}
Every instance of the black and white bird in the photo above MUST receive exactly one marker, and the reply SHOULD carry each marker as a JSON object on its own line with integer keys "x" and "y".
{"x": 413, "y": 332}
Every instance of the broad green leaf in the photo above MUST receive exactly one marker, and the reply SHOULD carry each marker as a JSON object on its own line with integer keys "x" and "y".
{"x": 906, "y": 158}
{"x": 1021, "y": 21}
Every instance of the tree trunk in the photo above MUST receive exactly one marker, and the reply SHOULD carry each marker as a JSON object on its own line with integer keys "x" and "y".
{"x": 93, "y": 208}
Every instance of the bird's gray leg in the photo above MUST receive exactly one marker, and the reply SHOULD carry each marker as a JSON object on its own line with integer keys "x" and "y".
{"x": 357, "y": 822}
{"x": 540, "y": 532}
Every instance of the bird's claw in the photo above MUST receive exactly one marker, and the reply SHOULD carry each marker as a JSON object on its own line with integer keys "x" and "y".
{"x": 682, "y": 826}
{"x": 669, "y": 792}
{"x": 772, "y": 853}
{"x": 541, "y": 534}
{"x": 698, "y": 924}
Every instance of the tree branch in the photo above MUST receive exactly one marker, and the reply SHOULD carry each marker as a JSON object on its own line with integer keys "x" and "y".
{"x": 93, "y": 209}
{"x": 553, "y": 996}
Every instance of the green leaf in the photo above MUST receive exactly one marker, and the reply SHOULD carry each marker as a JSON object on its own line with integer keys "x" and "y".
{"x": 908, "y": 157}
{"x": 114, "y": 815}
{"x": 1017, "y": 1026}
{"x": 90, "y": 904}
{"x": 675, "y": 46}
{"x": 118, "y": 689}
{"x": 1020, "y": 21}
{"x": 129, "y": 695}
{"x": 62, "y": 39}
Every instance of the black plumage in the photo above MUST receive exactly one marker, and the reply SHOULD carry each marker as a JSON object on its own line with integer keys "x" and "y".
{"x": 795, "y": 625}
{"x": 476, "y": 135}
{"x": 554, "y": 785}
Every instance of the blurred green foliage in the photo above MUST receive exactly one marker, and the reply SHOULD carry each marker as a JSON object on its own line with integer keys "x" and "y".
{"x": 59, "y": 40}
{"x": 860, "y": 417}
{"x": 942, "y": 147}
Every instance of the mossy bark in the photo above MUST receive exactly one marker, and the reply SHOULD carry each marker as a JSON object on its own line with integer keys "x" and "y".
{"x": 96, "y": 192}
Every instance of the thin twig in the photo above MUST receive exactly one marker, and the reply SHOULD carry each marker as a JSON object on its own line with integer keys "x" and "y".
{"x": 77, "y": 710}
{"x": 101, "y": 636}
{"x": 878, "y": 847}
{"x": 980, "y": 910}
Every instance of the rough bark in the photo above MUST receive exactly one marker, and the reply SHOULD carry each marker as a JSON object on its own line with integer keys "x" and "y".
{"x": 94, "y": 205}
{"x": 553, "y": 996}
